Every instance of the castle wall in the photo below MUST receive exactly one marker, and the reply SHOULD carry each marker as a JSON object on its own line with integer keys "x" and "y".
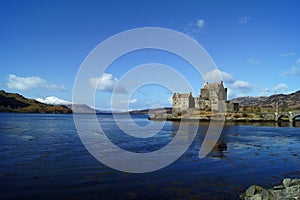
{"x": 202, "y": 104}
{"x": 215, "y": 91}
{"x": 204, "y": 93}
{"x": 232, "y": 107}
{"x": 182, "y": 102}
{"x": 212, "y": 97}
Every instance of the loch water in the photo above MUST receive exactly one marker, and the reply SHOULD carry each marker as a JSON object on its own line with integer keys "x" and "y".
{"x": 42, "y": 157}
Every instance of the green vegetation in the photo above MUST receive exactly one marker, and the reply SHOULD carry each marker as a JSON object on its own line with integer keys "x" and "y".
{"x": 13, "y": 102}
{"x": 252, "y": 109}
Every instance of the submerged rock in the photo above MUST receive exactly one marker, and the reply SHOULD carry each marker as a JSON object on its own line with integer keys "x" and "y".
{"x": 290, "y": 189}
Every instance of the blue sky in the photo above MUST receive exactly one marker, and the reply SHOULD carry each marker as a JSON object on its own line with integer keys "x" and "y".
{"x": 255, "y": 45}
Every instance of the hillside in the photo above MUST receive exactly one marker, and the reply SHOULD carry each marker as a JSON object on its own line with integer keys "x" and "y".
{"x": 153, "y": 111}
{"x": 13, "y": 102}
{"x": 291, "y": 101}
{"x": 81, "y": 108}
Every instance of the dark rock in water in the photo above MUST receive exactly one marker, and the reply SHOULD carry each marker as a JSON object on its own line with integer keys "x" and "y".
{"x": 290, "y": 189}
{"x": 222, "y": 147}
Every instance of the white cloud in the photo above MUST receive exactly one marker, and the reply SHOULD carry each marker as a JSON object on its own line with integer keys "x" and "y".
{"x": 195, "y": 27}
{"x": 31, "y": 82}
{"x": 200, "y": 23}
{"x": 230, "y": 94}
{"x": 286, "y": 54}
{"x": 253, "y": 61}
{"x": 217, "y": 75}
{"x": 133, "y": 100}
{"x": 106, "y": 83}
{"x": 244, "y": 20}
{"x": 280, "y": 88}
{"x": 241, "y": 86}
{"x": 236, "y": 87}
{"x": 24, "y": 83}
{"x": 53, "y": 101}
{"x": 294, "y": 71}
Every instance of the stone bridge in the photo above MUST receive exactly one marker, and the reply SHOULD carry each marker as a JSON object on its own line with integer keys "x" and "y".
{"x": 277, "y": 116}
{"x": 291, "y": 115}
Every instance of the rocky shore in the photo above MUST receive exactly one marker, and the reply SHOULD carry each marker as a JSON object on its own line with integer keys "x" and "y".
{"x": 208, "y": 117}
{"x": 288, "y": 190}
{"x": 199, "y": 115}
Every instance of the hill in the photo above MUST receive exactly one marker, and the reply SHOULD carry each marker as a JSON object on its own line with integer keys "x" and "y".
{"x": 13, "y": 102}
{"x": 291, "y": 101}
{"x": 81, "y": 108}
{"x": 152, "y": 111}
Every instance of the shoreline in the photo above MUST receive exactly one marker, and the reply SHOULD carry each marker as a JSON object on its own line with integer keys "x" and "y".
{"x": 288, "y": 189}
{"x": 208, "y": 119}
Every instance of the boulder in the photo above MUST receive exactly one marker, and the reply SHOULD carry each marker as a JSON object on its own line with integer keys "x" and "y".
{"x": 290, "y": 189}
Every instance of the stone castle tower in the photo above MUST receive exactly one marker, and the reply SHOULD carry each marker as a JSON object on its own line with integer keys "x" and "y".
{"x": 214, "y": 91}
{"x": 212, "y": 95}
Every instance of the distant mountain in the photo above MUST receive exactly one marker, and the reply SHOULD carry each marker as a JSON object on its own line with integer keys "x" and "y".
{"x": 81, "y": 108}
{"x": 52, "y": 100}
{"x": 284, "y": 100}
{"x": 76, "y": 108}
{"x": 152, "y": 111}
{"x": 13, "y": 102}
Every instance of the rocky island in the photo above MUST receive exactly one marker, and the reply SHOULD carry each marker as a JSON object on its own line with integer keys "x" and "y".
{"x": 212, "y": 103}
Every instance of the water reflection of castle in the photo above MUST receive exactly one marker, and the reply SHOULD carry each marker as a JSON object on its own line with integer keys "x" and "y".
{"x": 212, "y": 96}
{"x": 219, "y": 149}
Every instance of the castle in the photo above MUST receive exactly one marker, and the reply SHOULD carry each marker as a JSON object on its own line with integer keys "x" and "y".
{"x": 212, "y": 97}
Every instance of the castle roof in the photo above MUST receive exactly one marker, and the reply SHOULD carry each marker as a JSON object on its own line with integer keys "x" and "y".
{"x": 184, "y": 95}
{"x": 187, "y": 95}
{"x": 213, "y": 85}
